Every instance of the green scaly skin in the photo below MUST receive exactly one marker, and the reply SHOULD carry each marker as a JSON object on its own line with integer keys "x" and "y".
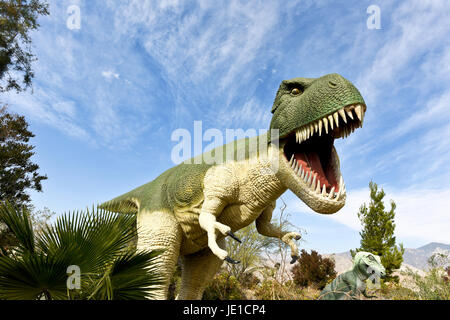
{"x": 191, "y": 207}
{"x": 351, "y": 284}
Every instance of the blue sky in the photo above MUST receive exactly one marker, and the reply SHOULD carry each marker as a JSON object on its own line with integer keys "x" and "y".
{"x": 107, "y": 97}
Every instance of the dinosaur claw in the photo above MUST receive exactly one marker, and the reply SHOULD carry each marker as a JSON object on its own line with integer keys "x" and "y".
{"x": 232, "y": 235}
{"x": 294, "y": 258}
{"x": 232, "y": 261}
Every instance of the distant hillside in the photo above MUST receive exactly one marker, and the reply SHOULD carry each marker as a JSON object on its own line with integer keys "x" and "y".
{"x": 419, "y": 257}
{"x": 412, "y": 258}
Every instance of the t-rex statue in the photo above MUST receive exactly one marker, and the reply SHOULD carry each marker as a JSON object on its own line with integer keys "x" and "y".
{"x": 351, "y": 284}
{"x": 189, "y": 209}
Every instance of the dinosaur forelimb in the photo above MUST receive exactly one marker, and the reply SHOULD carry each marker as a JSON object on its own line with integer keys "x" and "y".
{"x": 209, "y": 223}
{"x": 266, "y": 228}
{"x": 289, "y": 238}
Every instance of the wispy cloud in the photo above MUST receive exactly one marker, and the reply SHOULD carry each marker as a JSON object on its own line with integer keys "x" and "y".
{"x": 49, "y": 108}
{"x": 420, "y": 214}
{"x": 110, "y": 75}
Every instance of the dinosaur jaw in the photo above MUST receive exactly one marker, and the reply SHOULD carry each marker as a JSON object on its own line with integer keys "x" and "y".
{"x": 309, "y": 164}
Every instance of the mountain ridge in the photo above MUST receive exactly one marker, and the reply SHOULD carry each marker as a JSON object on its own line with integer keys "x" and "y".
{"x": 413, "y": 258}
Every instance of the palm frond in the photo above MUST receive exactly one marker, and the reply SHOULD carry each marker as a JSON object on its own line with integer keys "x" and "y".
{"x": 17, "y": 219}
{"x": 32, "y": 275}
{"x": 97, "y": 241}
{"x": 93, "y": 237}
{"x": 132, "y": 276}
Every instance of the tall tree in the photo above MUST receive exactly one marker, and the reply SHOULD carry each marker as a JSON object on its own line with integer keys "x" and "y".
{"x": 377, "y": 235}
{"x": 17, "y": 172}
{"x": 17, "y": 19}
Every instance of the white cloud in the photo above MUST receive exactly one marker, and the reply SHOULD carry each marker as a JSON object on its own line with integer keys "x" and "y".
{"x": 432, "y": 114}
{"x": 48, "y": 108}
{"x": 252, "y": 114}
{"x": 110, "y": 75}
{"x": 418, "y": 28}
{"x": 420, "y": 213}
{"x": 66, "y": 108}
{"x": 209, "y": 52}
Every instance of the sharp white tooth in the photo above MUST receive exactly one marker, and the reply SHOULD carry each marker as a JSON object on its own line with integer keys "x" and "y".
{"x": 292, "y": 159}
{"x": 358, "y": 112}
{"x": 307, "y": 133}
{"x": 341, "y": 181}
{"x": 316, "y": 127}
{"x": 309, "y": 179}
{"x": 294, "y": 165}
{"x": 311, "y": 129}
{"x": 318, "y": 187}
{"x": 313, "y": 185}
{"x": 330, "y": 196}
{"x": 336, "y": 119}
{"x": 299, "y": 170}
{"x": 296, "y": 136}
{"x": 330, "y": 118}
{"x": 350, "y": 114}
{"x": 303, "y": 174}
{"x": 342, "y": 113}
{"x": 324, "y": 190}
{"x": 363, "y": 114}
{"x": 320, "y": 127}
{"x": 325, "y": 124}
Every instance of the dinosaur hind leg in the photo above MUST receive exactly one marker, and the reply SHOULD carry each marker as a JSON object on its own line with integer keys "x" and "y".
{"x": 160, "y": 230}
{"x": 198, "y": 269}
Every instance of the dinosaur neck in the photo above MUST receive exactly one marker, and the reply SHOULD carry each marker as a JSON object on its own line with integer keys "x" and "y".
{"x": 264, "y": 184}
{"x": 357, "y": 271}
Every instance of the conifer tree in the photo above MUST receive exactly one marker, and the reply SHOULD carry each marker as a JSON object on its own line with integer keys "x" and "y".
{"x": 377, "y": 235}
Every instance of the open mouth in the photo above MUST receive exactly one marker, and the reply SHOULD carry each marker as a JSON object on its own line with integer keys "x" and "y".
{"x": 311, "y": 155}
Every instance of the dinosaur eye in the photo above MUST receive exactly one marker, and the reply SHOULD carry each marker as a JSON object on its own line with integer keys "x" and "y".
{"x": 295, "y": 91}
{"x": 371, "y": 258}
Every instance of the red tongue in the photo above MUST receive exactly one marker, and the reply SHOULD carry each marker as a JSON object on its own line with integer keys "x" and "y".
{"x": 310, "y": 161}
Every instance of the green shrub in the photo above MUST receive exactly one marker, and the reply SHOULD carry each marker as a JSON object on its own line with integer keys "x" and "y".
{"x": 249, "y": 280}
{"x": 395, "y": 291}
{"x": 224, "y": 287}
{"x": 313, "y": 270}
{"x": 433, "y": 286}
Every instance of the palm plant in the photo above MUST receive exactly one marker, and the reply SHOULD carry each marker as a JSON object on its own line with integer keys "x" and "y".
{"x": 99, "y": 243}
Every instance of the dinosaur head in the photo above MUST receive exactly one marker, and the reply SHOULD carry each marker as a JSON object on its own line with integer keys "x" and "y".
{"x": 367, "y": 264}
{"x": 309, "y": 115}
